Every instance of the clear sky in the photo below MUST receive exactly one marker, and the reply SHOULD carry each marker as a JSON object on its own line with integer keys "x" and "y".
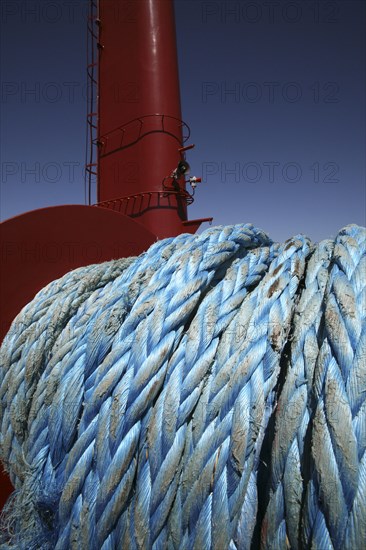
{"x": 273, "y": 91}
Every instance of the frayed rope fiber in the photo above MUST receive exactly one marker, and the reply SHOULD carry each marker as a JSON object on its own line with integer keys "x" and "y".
{"x": 210, "y": 393}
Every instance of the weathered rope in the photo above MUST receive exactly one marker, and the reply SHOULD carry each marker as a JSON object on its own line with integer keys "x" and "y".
{"x": 318, "y": 474}
{"x": 210, "y": 393}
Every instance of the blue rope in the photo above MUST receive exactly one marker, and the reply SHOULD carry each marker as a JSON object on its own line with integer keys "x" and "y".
{"x": 210, "y": 393}
{"x": 320, "y": 441}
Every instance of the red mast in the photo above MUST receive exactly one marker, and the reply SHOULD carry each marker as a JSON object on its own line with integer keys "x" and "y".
{"x": 140, "y": 127}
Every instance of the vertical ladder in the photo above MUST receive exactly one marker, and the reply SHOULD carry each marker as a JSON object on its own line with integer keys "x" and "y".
{"x": 91, "y": 167}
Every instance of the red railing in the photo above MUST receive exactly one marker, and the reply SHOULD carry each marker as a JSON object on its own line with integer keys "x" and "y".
{"x": 130, "y": 133}
{"x": 133, "y": 205}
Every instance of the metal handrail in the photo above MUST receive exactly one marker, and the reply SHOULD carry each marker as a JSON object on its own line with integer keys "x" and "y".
{"x": 116, "y": 203}
{"x": 103, "y": 140}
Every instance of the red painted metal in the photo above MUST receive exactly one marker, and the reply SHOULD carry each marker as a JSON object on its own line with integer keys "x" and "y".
{"x": 140, "y": 128}
{"x": 42, "y": 245}
{"x": 191, "y": 226}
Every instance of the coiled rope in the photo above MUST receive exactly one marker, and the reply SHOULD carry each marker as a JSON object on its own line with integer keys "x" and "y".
{"x": 210, "y": 393}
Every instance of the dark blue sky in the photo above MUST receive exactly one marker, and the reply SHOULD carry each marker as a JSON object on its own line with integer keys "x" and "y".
{"x": 274, "y": 93}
